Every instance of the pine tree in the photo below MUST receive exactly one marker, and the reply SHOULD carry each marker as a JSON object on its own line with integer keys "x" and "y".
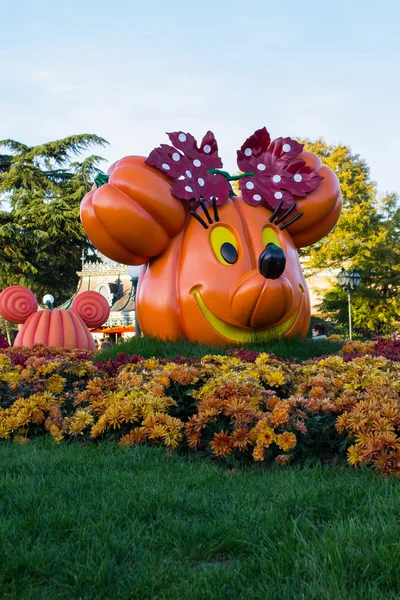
{"x": 41, "y": 235}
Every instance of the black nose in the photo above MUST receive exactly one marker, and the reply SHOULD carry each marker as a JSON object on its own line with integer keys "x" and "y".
{"x": 272, "y": 261}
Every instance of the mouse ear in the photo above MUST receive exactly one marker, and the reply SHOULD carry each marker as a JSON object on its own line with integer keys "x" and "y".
{"x": 17, "y": 303}
{"x": 287, "y": 179}
{"x": 92, "y": 307}
{"x": 130, "y": 215}
{"x": 321, "y": 208}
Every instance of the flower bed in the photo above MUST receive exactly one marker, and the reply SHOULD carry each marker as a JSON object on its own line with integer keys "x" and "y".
{"x": 246, "y": 406}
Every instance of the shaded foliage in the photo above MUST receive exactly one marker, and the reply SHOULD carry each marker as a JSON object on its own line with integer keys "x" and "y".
{"x": 41, "y": 235}
{"x": 366, "y": 238}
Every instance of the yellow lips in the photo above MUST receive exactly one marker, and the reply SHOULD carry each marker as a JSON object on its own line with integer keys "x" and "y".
{"x": 236, "y": 334}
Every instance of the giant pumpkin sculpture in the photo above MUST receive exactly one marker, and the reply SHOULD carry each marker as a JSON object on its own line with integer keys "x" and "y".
{"x": 58, "y": 327}
{"x": 218, "y": 268}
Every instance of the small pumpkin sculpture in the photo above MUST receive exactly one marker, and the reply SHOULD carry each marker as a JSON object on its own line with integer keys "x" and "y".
{"x": 219, "y": 268}
{"x": 57, "y": 327}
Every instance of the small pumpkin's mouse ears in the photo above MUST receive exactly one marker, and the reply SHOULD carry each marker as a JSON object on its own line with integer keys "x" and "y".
{"x": 17, "y": 303}
{"x": 92, "y": 307}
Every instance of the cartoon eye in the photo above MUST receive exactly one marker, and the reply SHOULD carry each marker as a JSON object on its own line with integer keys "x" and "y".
{"x": 269, "y": 236}
{"x": 224, "y": 244}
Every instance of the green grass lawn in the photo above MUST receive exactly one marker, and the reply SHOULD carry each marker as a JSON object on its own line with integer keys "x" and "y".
{"x": 291, "y": 349}
{"x": 102, "y": 522}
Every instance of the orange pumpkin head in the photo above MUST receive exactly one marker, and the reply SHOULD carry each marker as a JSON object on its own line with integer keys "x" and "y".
{"x": 57, "y": 327}
{"x": 223, "y": 273}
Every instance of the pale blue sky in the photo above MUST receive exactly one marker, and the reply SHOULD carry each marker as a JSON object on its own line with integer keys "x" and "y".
{"x": 131, "y": 70}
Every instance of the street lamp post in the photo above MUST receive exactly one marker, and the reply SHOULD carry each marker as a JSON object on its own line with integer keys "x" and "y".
{"x": 349, "y": 282}
{"x": 134, "y": 273}
{"x": 48, "y": 301}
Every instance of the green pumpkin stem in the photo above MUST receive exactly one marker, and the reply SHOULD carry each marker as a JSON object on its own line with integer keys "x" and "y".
{"x": 229, "y": 177}
{"x": 101, "y": 179}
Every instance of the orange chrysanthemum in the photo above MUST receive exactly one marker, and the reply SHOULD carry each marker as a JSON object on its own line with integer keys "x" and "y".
{"x": 279, "y": 417}
{"x": 283, "y": 459}
{"x": 221, "y": 444}
{"x": 240, "y": 438}
{"x": 37, "y": 417}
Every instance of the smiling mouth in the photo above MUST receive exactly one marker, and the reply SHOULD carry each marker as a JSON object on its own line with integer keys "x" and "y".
{"x": 236, "y": 334}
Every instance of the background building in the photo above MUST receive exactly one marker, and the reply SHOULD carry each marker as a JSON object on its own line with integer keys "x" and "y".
{"x": 112, "y": 280}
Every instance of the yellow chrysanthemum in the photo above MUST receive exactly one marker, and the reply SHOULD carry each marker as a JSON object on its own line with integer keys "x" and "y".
{"x": 172, "y": 439}
{"x": 113, "y": 416}
{"x": 382, "y": 425}
{"x": 55, "y": 384}
{"x": 357, "y": 422}
{"x": 286, "y": 441}
{"x": 275, "y": 378}
{"x": 150, "y": 364}
{"x": 79, "y": 421}
{"x": 266, "y": 437}
{"x": 157, "y": 431}
{"x": 99, "y": 427}
{"x": 355, "y": 455}
{"x": 342, "y": 423}
{"x": 259, "y": 452}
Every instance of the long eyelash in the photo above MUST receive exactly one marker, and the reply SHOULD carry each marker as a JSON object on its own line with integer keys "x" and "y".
{"x": 215, "y": 207}
{"x": 278, "y": 208}
{"x": 199, "y": 219}
{"x": 286, "y": 214}
{"x": 291, "y": 221}
{"x": 204, "y": 207}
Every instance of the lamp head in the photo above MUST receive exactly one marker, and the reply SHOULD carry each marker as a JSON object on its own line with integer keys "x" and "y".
{"x": 355, "y": 279}
{"x": 134, "y": 271}
{"x": 48, "y": 300}
{"x": 342, "y": 278}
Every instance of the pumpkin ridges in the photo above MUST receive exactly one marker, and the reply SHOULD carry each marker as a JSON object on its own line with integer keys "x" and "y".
{"x": 55, "y": 337}
{"x": 153, "y": 194}
{"x": 320, "y": 230}
{"x": 128, "y": 219}
{"x": 134, "y": 215}
{"x": 139, "y": 161}
{"x": 68, "y": 329}
{"x": 26, "y": 334}
{"x": 80, "y": 327}
{"x": 102, "y": 239}
{"x": 42, "y": 328}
